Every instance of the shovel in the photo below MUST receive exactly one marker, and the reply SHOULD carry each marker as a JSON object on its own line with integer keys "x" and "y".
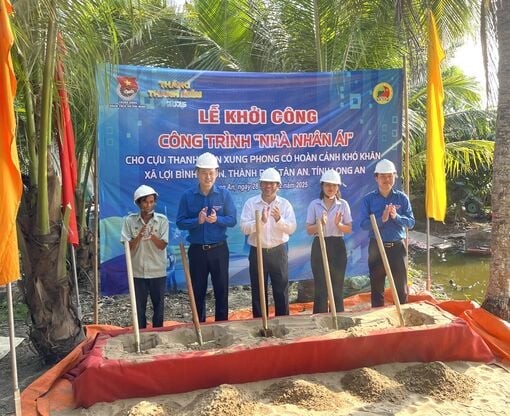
{"x": 384, "y": 258}
{"x": 131, "y": 284}
{"x": 327, "y": 273}
{"x": 191, "y": 295}
{"x": 265, "y": 331}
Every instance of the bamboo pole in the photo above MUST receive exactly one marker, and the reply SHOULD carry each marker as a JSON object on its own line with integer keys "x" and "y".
{"x": 327, "y": 273}
{"x": 384, "y": 258}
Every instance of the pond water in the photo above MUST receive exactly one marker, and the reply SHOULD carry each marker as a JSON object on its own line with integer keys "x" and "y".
{"x": 463, "y": 276}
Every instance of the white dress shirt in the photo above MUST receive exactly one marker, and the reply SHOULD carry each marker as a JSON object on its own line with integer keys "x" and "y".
{"x": 273, "y": 233}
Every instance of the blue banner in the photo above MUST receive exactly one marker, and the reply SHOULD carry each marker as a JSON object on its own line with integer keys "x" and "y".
{"x": 154, "y": 122}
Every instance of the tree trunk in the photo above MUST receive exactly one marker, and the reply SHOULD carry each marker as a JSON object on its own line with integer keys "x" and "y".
{"x": 497, "y": 299}
{"x": 55, "y": 329}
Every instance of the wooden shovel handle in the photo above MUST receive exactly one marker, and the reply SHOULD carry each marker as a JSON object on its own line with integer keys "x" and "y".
{"x": 131, "y": 284}
{"x": 185, "y": 265}
{"x": 387, "y": 268}
{"x": 327, "y": 273}
{"x": 260, "y": 267}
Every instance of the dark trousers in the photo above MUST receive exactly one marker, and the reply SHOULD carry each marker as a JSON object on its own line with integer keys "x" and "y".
{"x": 397, "y": 256}
{"x": 276, "y": 266}
{"x": 155, "y": 288}
{"x": 214, "y": 262}
{"x": 337, "y": 261}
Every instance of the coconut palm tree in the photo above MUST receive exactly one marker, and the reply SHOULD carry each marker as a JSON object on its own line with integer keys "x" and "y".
{"x": 93, "y": 31}
{"x": 497, "y": 298}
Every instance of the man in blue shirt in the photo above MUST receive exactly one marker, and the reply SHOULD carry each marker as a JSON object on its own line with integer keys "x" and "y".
{"x": 393, "y": 213}
{"x": 206, "y": 211}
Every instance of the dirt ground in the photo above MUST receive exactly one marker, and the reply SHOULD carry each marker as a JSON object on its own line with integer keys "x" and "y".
{"x": 115, "y": 310}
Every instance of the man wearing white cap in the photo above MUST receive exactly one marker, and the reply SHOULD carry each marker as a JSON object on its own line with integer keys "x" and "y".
{"x": 206, "y": 211}
{"x": 393, "y": 213}
{"x": 147, "y": 233}
{"x": 335, "y": 215}
{"x": 278, "y": 222}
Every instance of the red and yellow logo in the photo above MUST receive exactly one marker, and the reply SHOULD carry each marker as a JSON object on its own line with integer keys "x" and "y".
{"x": 383, "y": 93}
{"x": 127, "y": 87}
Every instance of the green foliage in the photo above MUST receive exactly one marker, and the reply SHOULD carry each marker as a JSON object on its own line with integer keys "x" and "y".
{"x": 468, "y": 130}
{"x": 19, "y": 309}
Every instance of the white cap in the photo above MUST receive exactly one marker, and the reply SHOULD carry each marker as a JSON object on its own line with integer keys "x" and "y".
{"x": 270, "y": 175}
{"x": 143, "y": 190}
{"x": 207, "y": 161}
{"x": 331, "y": 176}
{"x": 385, "y": 166}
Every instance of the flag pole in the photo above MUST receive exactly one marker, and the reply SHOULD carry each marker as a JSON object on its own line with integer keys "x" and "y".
{"x": 11, "y": 182}
{"x": 12, "y": 343}
{"x": 96, "y": 241}
{"x": 428, "y": 255}
{"x": 75, "y": 276}
{"x": 407, "y": 147}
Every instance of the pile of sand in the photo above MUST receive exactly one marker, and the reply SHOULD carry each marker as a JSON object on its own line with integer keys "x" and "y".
{"x": 146, "y": 408}
{"x": 371, "y": 385}
{"x": 438, "y": 380}
{"x": 224, "y": 400}
{"x": 302, "y": 393}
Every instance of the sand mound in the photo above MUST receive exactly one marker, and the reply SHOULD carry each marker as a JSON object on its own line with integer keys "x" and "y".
{"x": 305, "y": 394}
{"x": 145, "y": 408}
{"x": 224, "y": 400}
{"x": 372, "y": 386}
{"x": 437, "y": 380}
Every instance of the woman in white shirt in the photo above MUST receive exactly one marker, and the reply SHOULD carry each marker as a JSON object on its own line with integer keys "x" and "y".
{"x": 335, "y": 215}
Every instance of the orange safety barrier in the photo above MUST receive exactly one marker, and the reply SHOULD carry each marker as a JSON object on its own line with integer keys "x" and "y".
{"x": 494, "y": 331}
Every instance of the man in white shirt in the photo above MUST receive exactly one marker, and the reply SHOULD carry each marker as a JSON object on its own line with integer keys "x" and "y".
{"x": 278, "y": 222}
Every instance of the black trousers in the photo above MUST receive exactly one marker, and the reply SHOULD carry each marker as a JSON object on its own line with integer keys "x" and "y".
{"x": 214, "y": 262}
{"x": 337, "y": 261}
{"x": 155, "y": 288}
{"x": 397, "y": 256}
{"x": 276, "y": 266}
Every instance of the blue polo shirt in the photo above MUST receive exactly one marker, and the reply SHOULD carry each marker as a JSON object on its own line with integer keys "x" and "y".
{"x": 193, "y": 201}
{"x": 393, "y": 229}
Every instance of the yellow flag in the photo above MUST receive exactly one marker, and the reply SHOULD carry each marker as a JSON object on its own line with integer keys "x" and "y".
{"x": 9, "y": 163}
{"x": 435, "y": 194}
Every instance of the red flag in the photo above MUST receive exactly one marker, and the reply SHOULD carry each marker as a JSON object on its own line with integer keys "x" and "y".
{"x": 67, "y": 152}
{"x": 9, "y": 162}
